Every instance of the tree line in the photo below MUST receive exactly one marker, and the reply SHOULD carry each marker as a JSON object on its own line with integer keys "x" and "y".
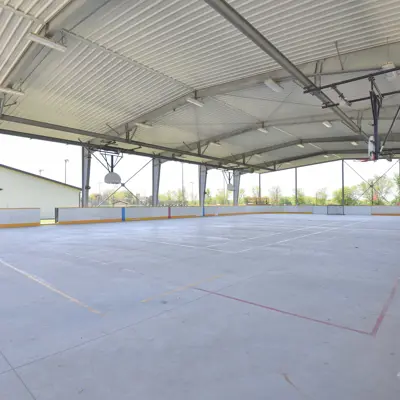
{"x": 378, "y": 191}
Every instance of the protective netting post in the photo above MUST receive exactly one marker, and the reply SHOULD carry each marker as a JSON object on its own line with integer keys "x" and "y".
{"x": 202, "y": 184}
{"x": 236, "y": 187}
{"x": 156, "y": 181}
{"x": 86, "y": 161}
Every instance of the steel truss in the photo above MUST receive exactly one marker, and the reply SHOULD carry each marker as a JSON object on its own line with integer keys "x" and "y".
{"x": 375, "y": 96}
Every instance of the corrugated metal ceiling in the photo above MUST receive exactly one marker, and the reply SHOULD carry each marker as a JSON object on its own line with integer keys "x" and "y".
{"x": 187, "y": 40}
{"x": 128, "y": 58}
{"x": 14, "y": 26}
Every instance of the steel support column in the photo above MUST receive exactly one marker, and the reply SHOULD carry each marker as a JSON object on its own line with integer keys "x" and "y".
{"x": 202, "y": 185}
{"x": 156, "y": 181}
{"x": 295, "y": 187}
{"x": 342, "y": 182}
{"x": 236, "y": 187}
{"x": 86, "y": 161}
{"x": 259, "y": 186}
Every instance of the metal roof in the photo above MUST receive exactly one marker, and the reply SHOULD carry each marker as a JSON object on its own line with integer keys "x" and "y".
{"x": 137, "y": 62}
{"x": 39, "y": 177}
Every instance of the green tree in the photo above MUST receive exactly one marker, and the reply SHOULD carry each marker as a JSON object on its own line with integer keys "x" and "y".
{"x": 254, "y": 191}
{"x": 275, "y": 194}
{"x": 321, "y": 196}
{"x": 208, "y": 198}
{"x": 396, "y": 180}
{"x": 285, "y": 201}
{"x": 350, "y": 196}
{"x": 301, "y": 198}
{"x": 376, "y": 190}
{"x": 221, "y": 197}
{"x": 242, "y": 195}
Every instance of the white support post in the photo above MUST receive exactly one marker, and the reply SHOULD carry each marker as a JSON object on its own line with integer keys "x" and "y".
{"x": 202, "y": 184}
{"x": 236, "y": 187}
{"x": 156, "y": 181}
{"x": 86, "y": 161}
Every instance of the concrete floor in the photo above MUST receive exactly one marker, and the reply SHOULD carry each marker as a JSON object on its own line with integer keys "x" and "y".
{"x": 262, "y": 307}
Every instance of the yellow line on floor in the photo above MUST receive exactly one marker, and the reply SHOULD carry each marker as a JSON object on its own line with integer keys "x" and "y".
{"x": 50, "y": 287}
{"x": 181, "y": 288}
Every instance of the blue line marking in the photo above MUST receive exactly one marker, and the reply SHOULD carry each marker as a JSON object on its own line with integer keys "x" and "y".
{"x": 123, "y": 213}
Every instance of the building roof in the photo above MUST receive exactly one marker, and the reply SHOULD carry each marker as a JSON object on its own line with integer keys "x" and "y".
{"x": 39, "y": 177}
{"x": 129, "y": 68}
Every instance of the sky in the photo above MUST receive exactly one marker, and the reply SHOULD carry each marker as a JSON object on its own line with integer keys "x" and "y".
{"x": 33, "y": 155}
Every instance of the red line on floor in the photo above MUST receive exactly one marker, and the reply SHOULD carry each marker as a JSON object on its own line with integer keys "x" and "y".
{"x": 385, "y": 308}
{"x": 286, "y": 312}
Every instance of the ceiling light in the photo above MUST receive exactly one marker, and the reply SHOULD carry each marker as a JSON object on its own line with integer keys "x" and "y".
{"x": 300, "y": 145}
{"x": 263, "y": 130}
{"x": 143, "y": 125}
{"x": 216, "y": 143}
{"x": 326, "y": 155}
{"x": 327, "y": 124}
{"x": 196, "y": 102}
{"x": 354, "y": 143}
{"x": 273, "y": 85}
{"x": 46, "y": 42}
{"x": 258, "y": 155}
{"x": 11, "y": 91}
{"x": 281, "y": 130}
{"x": 287, "y": 163}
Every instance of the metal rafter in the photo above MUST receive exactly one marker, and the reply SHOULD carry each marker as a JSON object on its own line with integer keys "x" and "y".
{"x": 367, "y": 115}
{"x": 111, "y": 138}
{"x": 231, "y": 15}
{"x": 333, "y": 139}
{"x": 315, "y": 154}
{"x": 217, "y": 162}
{"x": 367, "y": 60}
{"x": 97, "y": 147}
{"x": 71, "y": 15}
{"x": 22, "y": 14}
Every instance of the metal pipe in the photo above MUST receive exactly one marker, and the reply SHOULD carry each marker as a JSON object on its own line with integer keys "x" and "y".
{"x": 111, "y": 138}
{"x": 231, "y": 15}
{"x": 65, "y": 170}
{"x": 368, "y": 97}
{"x": 183, "y": 187}
{"x": 343, "y": 183}
{"x": 259, "y": 186}
{"x": 295, "y": 187}
{"x": 358, "y": 78}
{"x": 390, "y": 129}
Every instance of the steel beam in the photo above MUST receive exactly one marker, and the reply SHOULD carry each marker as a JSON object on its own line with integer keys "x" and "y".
{"x": 236, "y": 187}
{"x": 156, "y": 181}
{"x": 22, "y": 14}
{"x": 231, "y": 15}
{"x": 202, "y": 185}
{"x": 343, "y": 183}
{"x": 362, "y": 153}
{"x": 70, "y": 16}
{"x": 386, "y": 114}
{"x": 107, "y": 138}
{"x": 127, "y": 60}
{"x": 86, "y": 161}
{"x": 96, "y": 147}
{"x": 367, "y": 60}
{"x": 331, "y": 139}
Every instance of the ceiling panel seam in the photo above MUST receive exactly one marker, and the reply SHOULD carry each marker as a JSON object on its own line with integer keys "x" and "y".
{"x": 126, "y": 59}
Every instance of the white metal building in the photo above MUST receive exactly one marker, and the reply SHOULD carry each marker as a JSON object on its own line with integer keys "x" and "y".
{"x": 21, "y": 189}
